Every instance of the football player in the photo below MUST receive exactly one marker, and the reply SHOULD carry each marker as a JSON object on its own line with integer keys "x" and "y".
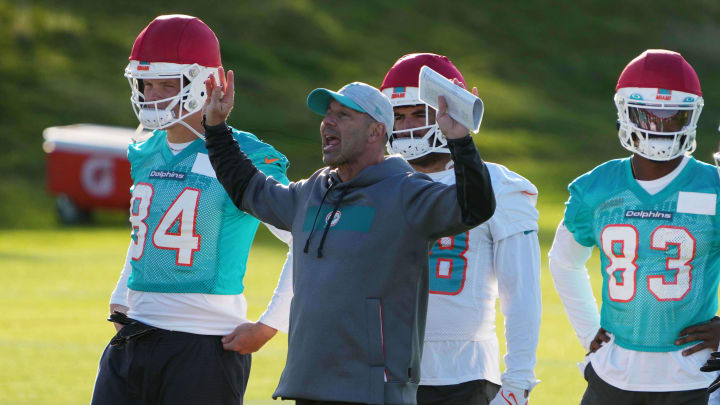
{"x": 653, "y": 217}
{"x": 181, "y": 288}
{"x": 460, "y": 362}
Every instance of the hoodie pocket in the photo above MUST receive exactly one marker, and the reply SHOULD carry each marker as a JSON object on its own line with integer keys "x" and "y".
{"x": 376, "y": 339}
{"x": 375, "y": 348}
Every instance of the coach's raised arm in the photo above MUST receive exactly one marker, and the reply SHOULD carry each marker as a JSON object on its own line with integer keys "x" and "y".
{"x": 234, "y": 169}
{"x": 362, "y": 227}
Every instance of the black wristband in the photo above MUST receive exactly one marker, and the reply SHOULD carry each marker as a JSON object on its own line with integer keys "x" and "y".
{"x": 460, "y": 141}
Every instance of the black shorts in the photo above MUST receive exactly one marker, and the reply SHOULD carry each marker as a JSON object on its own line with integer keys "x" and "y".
{"x": 476, "y": 392}
{"x": 165, "y": 367}
{"x": 599, "y": 392}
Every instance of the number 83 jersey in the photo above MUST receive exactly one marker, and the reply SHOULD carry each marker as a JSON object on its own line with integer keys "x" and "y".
{"x": 659, "y": 253}
{"x": 187, "y": 235}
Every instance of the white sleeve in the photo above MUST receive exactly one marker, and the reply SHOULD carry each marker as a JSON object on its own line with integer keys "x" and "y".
{"x": 277, "y": 314}
{"x": 284, "y": 236}
{"x": 521, "y": 304}
{"x": 120, "y": 294}
{"x": 572, "y": 282}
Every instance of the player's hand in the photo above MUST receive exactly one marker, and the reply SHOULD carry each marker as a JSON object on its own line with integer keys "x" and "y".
{"x": 221, "y": 97}
{"x": 449, "y": 127}
{"x": 506, "y": 396}
{"x": 118, "y": 308}
{"x": 600, "y": 338}
{"x": 708, "y": 332}
{"x": 248, "y": 337}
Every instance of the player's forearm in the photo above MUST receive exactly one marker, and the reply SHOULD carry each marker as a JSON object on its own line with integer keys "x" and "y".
{"x": 119, "y": 294}
{"x": 517, "y": 264}
{"x": 232, "y": 167}
{"x": 579, "y": 303}
{"x": 567, "y": 258}
{"x": 277, "y": 314}
{"x": 474, "y": 188}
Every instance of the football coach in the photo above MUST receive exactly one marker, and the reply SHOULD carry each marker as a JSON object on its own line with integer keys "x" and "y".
{"x": 362, "y": 227}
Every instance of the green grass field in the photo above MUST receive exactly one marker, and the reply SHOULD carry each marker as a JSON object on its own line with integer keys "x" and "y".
{"x": 546, "y": 71}
{"x": 56, "y": 285}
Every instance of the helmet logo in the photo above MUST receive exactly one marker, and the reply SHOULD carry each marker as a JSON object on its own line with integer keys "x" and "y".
{"x": 689, "y": 99}
{"x": 663, "y": 94}
{"x": 335, "y": 219}
{"x": 398, "y": 92}
{"x": 635, "y": 96}
{"x": 144, "y": 66}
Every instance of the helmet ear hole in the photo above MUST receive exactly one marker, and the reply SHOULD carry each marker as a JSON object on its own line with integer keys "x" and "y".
{"x": 141, "y": 87}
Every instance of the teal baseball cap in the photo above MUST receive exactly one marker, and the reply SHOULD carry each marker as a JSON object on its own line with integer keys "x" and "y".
{"x": 360, "y": 97}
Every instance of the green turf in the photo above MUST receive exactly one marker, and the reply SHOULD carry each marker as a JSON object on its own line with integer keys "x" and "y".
{"x": 546, "y": 70}
{"x": 56, "y": 285}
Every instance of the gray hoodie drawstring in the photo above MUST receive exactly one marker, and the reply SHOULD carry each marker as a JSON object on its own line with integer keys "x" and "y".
{"x": 307, "y": 242}
{"x": 329, "y": 221}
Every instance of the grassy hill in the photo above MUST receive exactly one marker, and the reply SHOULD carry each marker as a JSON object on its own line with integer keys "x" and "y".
{"x": 545, "y": 69}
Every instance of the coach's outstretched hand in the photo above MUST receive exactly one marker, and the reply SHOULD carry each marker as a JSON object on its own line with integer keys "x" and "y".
{"x": 221, "y": 97}
{"x": 448, "y": 126}
{"x": 248, "y": 337}
{"x": 708, "y": 332}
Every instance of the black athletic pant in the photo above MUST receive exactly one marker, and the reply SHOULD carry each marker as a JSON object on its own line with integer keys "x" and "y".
{"x": 476, "y": 392}
{"x": 599, "y": 392}
{"x": 165, "y": 367}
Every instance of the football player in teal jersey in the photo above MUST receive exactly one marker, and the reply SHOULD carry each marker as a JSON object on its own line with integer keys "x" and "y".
{"x": 181, "y": 289}
{"x": 653, "y": 218}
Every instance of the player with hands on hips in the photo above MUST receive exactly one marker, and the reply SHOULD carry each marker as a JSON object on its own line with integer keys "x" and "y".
{"x": 180, "y": 297}
{"x": 653, "y": 218}
{"x": 460, "y": 362}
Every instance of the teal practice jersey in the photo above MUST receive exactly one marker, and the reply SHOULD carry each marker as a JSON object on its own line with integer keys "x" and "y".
{"x": 187, "y": 235}
{"x": 659, "y": 253}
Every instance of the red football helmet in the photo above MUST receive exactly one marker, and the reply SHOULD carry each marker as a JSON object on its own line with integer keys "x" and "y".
{"x": 401, "y": 87}
{"x": 658, "y": 99}
{"x": 172, "y": 46}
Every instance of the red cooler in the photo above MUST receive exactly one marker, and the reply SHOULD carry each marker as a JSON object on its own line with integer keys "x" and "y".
{"x": 87, "y": 168}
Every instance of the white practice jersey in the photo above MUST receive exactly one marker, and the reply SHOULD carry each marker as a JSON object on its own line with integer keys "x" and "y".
{"x": 467, "y": 274}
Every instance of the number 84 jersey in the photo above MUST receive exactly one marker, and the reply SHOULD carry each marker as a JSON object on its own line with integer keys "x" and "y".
{"x": 188, "y": 236}
{"x": 659, "y": 253}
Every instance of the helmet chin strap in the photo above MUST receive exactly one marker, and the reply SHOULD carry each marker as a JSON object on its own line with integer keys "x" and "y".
{"x": 186, "y": 125}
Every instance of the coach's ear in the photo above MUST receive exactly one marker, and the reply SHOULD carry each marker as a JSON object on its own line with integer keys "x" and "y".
{"x": 377, "y": 133}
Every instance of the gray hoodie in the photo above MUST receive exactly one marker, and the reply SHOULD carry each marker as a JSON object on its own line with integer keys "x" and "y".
{"x": 361, "y": 278}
